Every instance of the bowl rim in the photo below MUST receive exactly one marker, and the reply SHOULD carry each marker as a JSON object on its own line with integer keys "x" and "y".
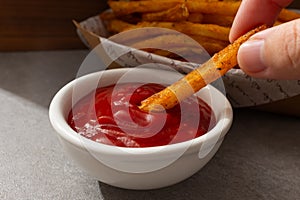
{"x": 62, "y": 128}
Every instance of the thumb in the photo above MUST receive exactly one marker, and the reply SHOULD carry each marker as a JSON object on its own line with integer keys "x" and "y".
{"x": 273, "y": 53}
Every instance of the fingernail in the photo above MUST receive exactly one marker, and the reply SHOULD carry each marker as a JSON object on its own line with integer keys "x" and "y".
{"x": 250, "y": 56}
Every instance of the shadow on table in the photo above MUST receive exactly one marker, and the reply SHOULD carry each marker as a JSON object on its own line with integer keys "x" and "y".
{"x": 37, "y": 76}
{"x": 258, "y": 159}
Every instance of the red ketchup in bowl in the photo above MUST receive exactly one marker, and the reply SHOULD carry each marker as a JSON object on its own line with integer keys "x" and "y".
{"x": 110, "y": 115}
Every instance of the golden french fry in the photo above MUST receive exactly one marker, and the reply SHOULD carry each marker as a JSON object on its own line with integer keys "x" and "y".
{"x": 107, "y": 16}
{"x": 142, "y": 35}
{"x": 227, "y": 8}
{"x": 117, "y": 26}
{"x": 190, "y": 54}
{"x": 276, "y": 23}
{"x": 128, "y": 7}
{"x": 211, "y": 70}
{"x": 133, "y": 36}
{"x": 202, "y": 39}
{"x": 218, "y": 19}
{"x": 207, "y": 30}
{"x": 189, "y": 28}
{"x": 212, "y": 48}
{"x": 177, "y": 13}
{"x": 287, "y": 15}
{"x": 167, "y": 41}
{"x": 195, "y": 17}
{"x": 211, "y": 45}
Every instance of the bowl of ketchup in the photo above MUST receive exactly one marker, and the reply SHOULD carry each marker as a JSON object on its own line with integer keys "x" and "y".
{"x": 100, "y": 126}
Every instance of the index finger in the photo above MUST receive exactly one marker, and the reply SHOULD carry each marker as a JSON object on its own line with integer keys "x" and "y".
{"x": 255, "y": 12}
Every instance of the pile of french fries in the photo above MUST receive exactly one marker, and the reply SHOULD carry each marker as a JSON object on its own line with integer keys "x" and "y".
{"x": 206, "y": 21}
{"x": 204, "y": 74}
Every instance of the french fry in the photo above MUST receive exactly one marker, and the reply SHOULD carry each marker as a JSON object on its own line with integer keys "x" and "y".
{"x": 209, "y": 44}
{"x": 212, "y": 48}
{"x": 170, "y": 44}
{"x": 107, "y": 16}
{"x": 195, "y": 17}
{"x": 129, "y": 7}
{"x": 166, "y": 41}
{"x": 177, "y": 13}
{"x": 288, "y": 15}
{"x": 206, "y": 30}
{"x": 218, "y": 19}
{"x": 132, "y": 36}
{"x": 170, "y": 14}
{"x": 206, "y": 21}
{"x": 227, "y": 8}
{"x": 117, "y": 26}
{"x": 276, "y": 23}
{"x": 201, "y": 39}
{"x": 212, "y": 37}
{"x": 211, "y": 70}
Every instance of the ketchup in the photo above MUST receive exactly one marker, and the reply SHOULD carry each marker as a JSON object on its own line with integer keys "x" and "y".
{"x": 110, "y": 115}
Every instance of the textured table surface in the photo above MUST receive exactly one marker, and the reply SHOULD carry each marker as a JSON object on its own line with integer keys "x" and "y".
{"x": 259, "y": 158}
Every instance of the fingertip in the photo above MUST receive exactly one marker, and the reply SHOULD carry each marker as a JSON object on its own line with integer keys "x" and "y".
{"x": 234, "y": 31}
{"x": 250, "y": 56}
{"x": 231, "y": 36}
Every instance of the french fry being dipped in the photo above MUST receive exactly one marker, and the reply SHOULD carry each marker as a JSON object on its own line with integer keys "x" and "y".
{"x": 208, "y": 72}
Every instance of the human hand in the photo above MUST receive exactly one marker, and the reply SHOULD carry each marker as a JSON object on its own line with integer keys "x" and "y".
{"x": 273, "y": 53}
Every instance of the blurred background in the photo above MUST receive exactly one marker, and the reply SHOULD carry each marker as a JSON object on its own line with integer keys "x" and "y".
{"x": 43, "y": 24}
{"x": 47, "y": 24}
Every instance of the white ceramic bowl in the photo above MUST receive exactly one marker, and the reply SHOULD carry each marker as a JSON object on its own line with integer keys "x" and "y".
{"x": 138, "y": 168}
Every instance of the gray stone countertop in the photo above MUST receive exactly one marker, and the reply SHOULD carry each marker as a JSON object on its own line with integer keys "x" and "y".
{"x": 259, "y": 158}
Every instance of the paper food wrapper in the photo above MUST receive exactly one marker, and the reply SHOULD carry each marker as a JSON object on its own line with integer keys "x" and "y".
{"x": 281, "y": 96}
